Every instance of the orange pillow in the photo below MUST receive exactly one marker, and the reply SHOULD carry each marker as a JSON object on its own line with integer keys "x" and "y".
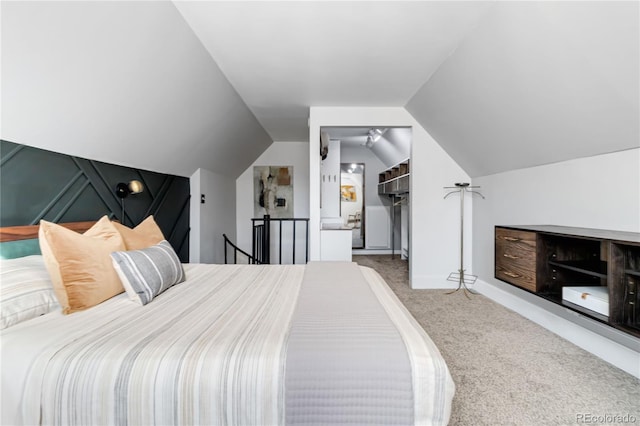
{"x": 80, "y": 264}
{"x": 145, "y": 235}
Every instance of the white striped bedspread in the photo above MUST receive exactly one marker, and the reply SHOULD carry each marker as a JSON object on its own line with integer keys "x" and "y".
{"x": 209, "y": 351}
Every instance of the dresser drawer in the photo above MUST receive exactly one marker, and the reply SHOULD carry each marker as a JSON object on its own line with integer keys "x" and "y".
{"x": 514, "y": 254}
{"x": 517, "y": 276}
{"x": 515, "y": 257}
{"x": 522, "y": 240}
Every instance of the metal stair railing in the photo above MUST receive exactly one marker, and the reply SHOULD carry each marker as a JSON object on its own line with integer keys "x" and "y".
{"x": 250, "y": 259}
{"x": 261, "y": 238}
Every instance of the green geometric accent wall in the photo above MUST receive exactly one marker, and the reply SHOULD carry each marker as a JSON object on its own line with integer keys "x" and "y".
{"x": 38, "y": 184}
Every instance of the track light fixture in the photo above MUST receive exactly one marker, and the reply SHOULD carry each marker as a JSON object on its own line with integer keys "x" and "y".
{"x": 369, "y": 142}
{"x": 372, "y": 136}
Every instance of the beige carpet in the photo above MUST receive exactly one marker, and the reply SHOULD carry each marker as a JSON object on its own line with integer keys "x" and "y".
{"x": 507, "y": 369}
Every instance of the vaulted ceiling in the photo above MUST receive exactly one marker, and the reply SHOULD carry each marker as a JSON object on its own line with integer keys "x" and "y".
{"x": 174, "y": 86}
{"x": 537, "y": 83}
{"x": 122, "y": 82}
{"x": 283, "y": 57}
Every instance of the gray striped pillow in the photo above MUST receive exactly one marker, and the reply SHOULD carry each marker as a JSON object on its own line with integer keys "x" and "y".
{"x": 148, "y": 272}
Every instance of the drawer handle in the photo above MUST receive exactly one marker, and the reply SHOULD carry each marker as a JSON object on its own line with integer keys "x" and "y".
{"x": 510, "y": 256}
{"x": 511, "y": 239}
{"x": 511, "y": 274}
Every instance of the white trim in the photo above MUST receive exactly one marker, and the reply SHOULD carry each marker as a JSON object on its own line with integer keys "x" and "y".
{"x": 372, "y": 252}
{"x": 435, "y": 282}
{"x": 194, "y": 216}
{"x": 614, "y": 353}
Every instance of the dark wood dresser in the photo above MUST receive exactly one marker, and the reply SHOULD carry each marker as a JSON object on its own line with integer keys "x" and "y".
{"x": 556, "y": 262}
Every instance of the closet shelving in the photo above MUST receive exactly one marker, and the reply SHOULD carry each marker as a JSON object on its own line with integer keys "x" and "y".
{"x": 395, "y": 179}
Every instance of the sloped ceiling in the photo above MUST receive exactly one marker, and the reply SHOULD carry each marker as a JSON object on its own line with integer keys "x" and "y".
{"x": 286, "y": 56}
{"x": 391, "y": 148}
{"x": 173, "y": 87}
{"x": 536, "y": 83}
{"x": 122, "y": 82}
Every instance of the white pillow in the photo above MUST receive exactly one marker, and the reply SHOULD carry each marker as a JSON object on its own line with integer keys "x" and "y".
{"x": 26, "y": 290}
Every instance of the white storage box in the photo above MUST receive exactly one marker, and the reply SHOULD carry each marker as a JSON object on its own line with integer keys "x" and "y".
{"x": 592, "y": 298}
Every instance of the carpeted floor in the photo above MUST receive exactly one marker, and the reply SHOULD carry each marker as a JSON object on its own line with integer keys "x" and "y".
{"x": 507, "y": 369}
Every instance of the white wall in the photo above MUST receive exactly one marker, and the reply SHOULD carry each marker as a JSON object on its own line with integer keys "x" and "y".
{"x": 213, "y": 218}
{"x": 330, "y": 169}
{"x": 194, "y": 217}
{"x": 434, "y": 223}
{"x": 294, "y": 154}
{"x": 596, "y": 192}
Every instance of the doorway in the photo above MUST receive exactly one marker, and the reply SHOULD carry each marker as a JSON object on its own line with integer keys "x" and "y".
{"x": 352, "y": 201}
{"x": 378, "y": 149}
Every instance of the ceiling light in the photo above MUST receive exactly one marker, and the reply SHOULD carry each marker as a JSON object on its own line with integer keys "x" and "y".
{"x": 369, "y": 143}
{"x": 377, "y": 134}
{"x": 374, "y": 135}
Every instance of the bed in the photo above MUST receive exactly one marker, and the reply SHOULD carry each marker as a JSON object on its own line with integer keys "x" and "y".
{"x": 324, "y": 343}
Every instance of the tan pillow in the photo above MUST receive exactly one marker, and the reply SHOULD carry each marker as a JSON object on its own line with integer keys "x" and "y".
{"x": 145, "y": 235}
{"x": 80, "y": 264}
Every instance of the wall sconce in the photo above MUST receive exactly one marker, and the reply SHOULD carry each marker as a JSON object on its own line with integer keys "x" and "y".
{"x": 124, "y": 189}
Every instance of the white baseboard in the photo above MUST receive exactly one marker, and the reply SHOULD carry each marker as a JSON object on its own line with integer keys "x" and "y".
{"x": 369, "y": 252}
{"x": 612, "y": 352}
{"x": 425, "y": 282}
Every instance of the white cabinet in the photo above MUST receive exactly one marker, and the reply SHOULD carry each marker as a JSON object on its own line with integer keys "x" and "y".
{"x": 335, "y": 244}
{"x": 330, "y": 181}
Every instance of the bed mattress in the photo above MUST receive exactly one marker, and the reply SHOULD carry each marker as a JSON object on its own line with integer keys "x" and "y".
{"x": 325, "y": 343}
